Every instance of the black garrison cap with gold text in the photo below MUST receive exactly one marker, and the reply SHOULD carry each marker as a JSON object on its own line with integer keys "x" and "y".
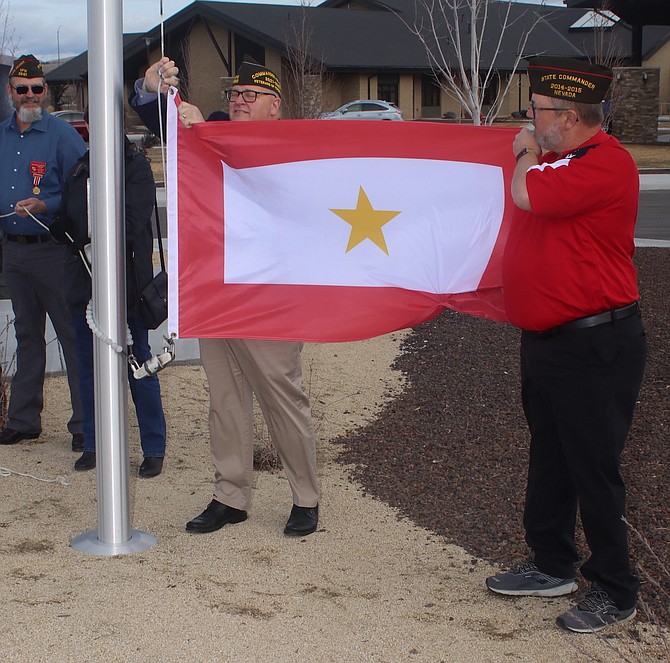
{"x": 252, "y": 73}
{"x": 567, "y": 78}
{"x": 26, "y": 66}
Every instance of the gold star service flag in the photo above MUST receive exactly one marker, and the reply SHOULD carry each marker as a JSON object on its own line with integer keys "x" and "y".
{"x": 323, "y": 230}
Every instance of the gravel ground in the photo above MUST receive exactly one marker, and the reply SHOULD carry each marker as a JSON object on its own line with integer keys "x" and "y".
{"x": 451, "y": 451}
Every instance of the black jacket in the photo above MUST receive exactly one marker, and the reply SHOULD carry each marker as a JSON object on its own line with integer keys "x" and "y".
{"x": 72, "y": 218}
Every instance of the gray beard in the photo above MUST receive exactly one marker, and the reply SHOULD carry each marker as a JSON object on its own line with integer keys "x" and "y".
{"x": 550, "y": 139}
{"x": 29, "y": 115}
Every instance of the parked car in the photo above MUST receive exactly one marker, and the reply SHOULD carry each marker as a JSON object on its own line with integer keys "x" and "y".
{"x": 365, "y": 109}
{"x": 76, "y": 119}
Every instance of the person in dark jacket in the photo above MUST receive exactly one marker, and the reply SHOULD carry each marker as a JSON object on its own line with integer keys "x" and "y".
{"x": 72, "y": 218}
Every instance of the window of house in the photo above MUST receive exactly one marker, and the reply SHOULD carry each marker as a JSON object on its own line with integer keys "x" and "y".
{"x": 387, "y": 87}
{"x": 491, "y": 91}
{"x": 430, "y": 91}
{"x": 246, "y": 47}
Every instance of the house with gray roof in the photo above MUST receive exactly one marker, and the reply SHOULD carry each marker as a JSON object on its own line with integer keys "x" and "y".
{"x": 363, "y": 49}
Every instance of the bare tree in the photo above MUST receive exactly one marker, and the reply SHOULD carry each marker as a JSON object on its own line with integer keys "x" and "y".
{"x": 607, "y": 50}
{"x": 7, "y": 48}
{"x": 304, "y": 74}
{"x": 454, "y": 34}
{"x": 7, "y": 45}
{"x": 185, "y": 64}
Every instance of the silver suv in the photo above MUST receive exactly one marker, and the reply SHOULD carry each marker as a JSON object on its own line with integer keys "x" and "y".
{"x": 365, "y": 109}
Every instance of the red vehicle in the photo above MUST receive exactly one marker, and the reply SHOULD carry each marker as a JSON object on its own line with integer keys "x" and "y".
{"x": 76, "y": 119}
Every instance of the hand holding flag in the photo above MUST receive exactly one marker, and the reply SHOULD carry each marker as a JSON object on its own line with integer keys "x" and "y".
{"x": 333, "y": 231}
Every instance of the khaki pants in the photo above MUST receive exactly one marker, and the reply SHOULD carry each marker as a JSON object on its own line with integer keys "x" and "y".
{"x": 272, "y": 370}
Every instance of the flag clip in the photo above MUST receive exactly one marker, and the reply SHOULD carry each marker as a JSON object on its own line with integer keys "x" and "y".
{"x": 154, "y": 364}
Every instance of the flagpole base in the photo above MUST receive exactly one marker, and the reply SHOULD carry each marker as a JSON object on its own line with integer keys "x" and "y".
{"x": 88, "y": 542}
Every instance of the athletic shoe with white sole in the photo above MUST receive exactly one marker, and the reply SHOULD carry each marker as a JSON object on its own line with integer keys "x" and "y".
{"x": 594, "y": 612}
{"x": 528, "y": 580}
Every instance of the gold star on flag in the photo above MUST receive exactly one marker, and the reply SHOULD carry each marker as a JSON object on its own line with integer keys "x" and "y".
{"x": 366, "y": 222}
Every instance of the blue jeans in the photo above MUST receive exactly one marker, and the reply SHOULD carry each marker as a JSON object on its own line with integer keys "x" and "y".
{"x": 146, "y": 393}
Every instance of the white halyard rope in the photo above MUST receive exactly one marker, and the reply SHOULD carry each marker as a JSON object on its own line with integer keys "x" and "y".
{"x": 6, "y": 472}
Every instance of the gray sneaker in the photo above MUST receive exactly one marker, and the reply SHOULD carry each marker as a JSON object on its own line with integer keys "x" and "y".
{"x": 528, "y": 580}
{"x": 593, "y": 613}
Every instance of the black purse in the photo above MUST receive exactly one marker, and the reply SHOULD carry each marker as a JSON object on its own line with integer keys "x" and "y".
{"x": 153, "y": 297}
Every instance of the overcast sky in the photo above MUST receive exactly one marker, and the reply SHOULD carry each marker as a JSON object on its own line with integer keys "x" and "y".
{"x": 49, "y": 28}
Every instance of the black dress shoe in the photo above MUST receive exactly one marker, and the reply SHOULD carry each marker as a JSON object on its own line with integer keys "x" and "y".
{"x": 151, "y": 466}
{"x": 78, "y": 442}
{"x": 214, "y": 517}
{"x": 85, "y": 462}
{"x": 11, "y": 436}
{"x": 302, "y": 521}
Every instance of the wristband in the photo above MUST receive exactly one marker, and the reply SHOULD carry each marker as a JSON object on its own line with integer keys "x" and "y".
{"x": 526, "y": 150}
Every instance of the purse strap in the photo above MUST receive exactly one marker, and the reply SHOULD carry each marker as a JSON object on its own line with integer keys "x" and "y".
{"x": 158, "y": 235}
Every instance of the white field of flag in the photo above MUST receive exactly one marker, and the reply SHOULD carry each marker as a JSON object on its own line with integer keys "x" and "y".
{"x": 280, "y": 227}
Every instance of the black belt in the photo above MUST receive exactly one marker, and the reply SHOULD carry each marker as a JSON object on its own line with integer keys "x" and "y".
{"x": 595, "y": 320}
{"x": 27, "y": 239}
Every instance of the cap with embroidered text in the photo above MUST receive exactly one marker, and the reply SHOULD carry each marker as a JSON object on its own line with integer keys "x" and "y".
{"x": 26, "y": 66}
{"x": 252, "y": 73}
{"x": 567, "y": 78}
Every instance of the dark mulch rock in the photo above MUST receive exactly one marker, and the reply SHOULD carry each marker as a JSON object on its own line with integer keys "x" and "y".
{"x": 451, "y": 451}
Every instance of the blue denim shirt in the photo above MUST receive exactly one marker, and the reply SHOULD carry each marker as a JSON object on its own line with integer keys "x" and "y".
{"x": 50, "y": 147}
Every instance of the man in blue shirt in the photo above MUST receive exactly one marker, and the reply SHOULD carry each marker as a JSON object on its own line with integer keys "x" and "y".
{"x": 36, "y": 152}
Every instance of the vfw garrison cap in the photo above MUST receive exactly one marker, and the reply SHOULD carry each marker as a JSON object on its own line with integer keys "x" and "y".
{"x": 26, "y": 66}
{"x": 567, "y": 78}
{"x": 252, "y": 73}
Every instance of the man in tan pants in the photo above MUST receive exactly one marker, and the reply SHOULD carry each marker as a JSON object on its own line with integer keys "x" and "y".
{"x": 238, "y": 368}
{"x": 272, "y": 370}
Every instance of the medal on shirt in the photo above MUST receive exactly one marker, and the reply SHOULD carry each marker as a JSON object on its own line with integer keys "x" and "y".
{"x": 38, "y": 170}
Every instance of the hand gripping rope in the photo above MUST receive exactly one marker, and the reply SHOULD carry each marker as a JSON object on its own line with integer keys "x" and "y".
{"x": 152, "y": 365}
{"x": 156, "y": 363}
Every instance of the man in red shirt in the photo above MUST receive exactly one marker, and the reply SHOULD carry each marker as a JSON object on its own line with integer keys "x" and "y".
{"x": 570, "y": 285}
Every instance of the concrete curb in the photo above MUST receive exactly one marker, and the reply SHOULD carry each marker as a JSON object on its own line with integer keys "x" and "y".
{"x": 656, "y": 181}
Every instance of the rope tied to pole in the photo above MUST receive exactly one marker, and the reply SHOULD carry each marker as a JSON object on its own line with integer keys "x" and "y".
{"x": 149, "y": 367}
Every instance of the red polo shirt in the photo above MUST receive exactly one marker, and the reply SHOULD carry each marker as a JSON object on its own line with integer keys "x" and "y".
{"x": 571, "y": 257}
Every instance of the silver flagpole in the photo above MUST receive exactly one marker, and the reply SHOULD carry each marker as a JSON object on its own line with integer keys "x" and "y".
{"x": 107, "y": 204}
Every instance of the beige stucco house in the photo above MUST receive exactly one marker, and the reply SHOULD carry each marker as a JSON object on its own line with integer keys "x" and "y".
{"x": 365, "y": 50}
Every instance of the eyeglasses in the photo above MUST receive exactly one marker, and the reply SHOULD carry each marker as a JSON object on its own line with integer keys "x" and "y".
{"x": 535, "y": 108}
{"x": 247, "y": 95}
{"x": 23, "y": 89}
